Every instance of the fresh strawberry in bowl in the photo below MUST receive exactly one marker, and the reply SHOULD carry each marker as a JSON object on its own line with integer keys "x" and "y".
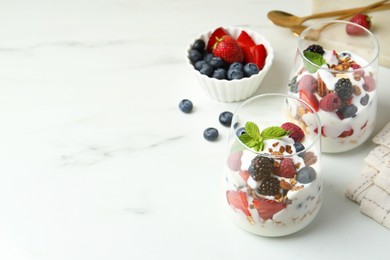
{"x": 230, "y": 62}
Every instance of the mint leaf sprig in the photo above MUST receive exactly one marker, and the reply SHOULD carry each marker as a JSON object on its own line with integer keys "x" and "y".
{"x": 254, "y": 139}
{"x": 314, "y": 58}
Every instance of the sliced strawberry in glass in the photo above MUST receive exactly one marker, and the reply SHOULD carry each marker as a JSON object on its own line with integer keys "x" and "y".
{"x": 364, "y": 125}
{"x": 268, "y": 208}
{"x": 310, "y": 98}
{"x": 346, "y": 133}
{"x": 322, "y": 131}
{"x": 238, "y": 200}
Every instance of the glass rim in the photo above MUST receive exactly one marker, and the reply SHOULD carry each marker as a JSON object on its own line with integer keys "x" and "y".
{"x": 316, "y": 138}
{"x": 316, "y": 25}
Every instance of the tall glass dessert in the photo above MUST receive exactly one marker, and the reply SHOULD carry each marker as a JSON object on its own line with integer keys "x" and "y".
{"x": 273, "y": 178}
{"x": 336, "y": 72}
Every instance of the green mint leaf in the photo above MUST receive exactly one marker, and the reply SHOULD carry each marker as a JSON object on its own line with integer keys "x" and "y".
{"x": 315, "y": 58}
{"x": 262, "y": 146}
{"x": 252, "y": 143}
{"x": 252, "y": 129}
{"x": 252, "y": 137}
{"x": 259, "y": 146}
{"x": 248, "y": 141}
{"x": 273, "y": 132}
{"x": 245, "y": 138}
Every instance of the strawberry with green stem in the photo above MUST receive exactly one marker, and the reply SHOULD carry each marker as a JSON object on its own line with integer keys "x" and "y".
{"x": 228, "y": 49}
{"x": 360, "y": 19}
{"x": 217, "y": 33}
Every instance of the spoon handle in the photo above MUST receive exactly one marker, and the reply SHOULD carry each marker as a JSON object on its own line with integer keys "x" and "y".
{"x": 362, "y": 9}
{"x": 298, "y": 29}
{"x": 373, "y": 7}
{"x": 314, "y": 34}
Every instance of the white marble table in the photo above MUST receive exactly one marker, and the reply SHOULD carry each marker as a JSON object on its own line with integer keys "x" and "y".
{"x": 97, "y": 161}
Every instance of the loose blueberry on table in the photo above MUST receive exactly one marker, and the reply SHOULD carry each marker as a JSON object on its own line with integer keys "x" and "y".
{"x": 186, "y": 106}
{"x": 211, "y": 134}
{"x": 225, "y": 118}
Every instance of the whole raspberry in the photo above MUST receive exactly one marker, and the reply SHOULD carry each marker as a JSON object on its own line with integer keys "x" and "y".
{"x": 369, "y": 83}
{"x": 261, "y": 167}
{"x": 331, "y": 102}
{"x": 316, "y": 48}
{"x": 308, "y": 82}
{"x": 286, "y": 168}
{"x": 296, "y": 132}
{"x": 228, "y": 49}
{"x": 269, "y": 186}
{"x": 344, "y": 89}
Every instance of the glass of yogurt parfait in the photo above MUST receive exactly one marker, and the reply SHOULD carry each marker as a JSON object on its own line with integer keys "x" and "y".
{"x": 273, "y": 181}
{"x": 336, "y": 71}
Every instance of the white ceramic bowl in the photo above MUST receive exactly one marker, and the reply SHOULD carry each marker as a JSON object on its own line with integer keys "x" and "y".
{"x": 233, "y": 90}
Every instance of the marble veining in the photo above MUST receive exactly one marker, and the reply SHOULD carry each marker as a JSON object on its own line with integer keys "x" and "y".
{"x": 70, "y": 44}
{"x": 91, "y": 154}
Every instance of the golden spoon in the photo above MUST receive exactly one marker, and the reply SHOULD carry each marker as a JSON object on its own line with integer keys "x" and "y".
{"x": 314, "y": 34}
{"x": 288, "y": 20}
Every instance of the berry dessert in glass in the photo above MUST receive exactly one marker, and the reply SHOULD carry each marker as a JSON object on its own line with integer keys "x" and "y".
{"x": 273, "y": 181}
{"x": 336, "y": 72}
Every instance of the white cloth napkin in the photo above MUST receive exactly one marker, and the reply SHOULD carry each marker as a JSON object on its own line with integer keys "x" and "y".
{"x": 372, "y": 188}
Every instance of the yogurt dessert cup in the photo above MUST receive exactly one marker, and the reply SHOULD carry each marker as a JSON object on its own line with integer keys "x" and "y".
{"x": 254, "y": 48}
{"x": 337, "y": 74}
{"x": 273, "y": 179}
